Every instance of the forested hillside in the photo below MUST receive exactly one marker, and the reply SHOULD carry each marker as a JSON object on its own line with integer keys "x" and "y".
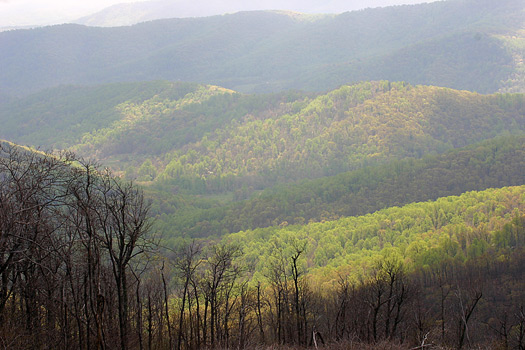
{"x": 462, "y": 44}
{"x": 203, "y": 139}
{"x": 266, "y": 179}
{"x": 421, "y": 234}
{"x": 495, "y": 163}
{"x": 363, "y": 255}
{"x": 343, "y": 130}
{"x": 57, "y": 118}
{"x": 188, "y": 139}
{"x": 89, "y": 272}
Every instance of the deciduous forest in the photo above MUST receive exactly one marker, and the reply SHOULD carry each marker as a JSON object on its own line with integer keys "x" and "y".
{"x": 81, "y": 269}
{"x": 266, "y": 180}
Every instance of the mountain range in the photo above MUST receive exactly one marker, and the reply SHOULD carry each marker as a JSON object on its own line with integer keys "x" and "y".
{"x": 133, "y": 13}
{"x": 462, "y": 44}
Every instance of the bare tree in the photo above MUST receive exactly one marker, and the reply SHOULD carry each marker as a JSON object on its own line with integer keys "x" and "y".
{"x": 221, "y": 273}
{"x": 65, "y": 229}
{"x": 186, "y": 262}
{"x": 125, "y": 222}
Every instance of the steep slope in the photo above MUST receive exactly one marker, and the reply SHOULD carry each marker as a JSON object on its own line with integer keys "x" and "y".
{"x": 269, "y": 51}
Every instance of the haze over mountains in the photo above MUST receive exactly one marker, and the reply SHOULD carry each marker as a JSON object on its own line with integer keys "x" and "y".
{"x": 132, "y": 13}
{"x": 195, "y": 139}
{"x": 31, "y": 13}
{"x": 463, "y": 44}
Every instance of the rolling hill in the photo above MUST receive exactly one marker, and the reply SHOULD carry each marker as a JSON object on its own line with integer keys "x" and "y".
{"x": 342, "y": 130}
{"x": 60, "y": 117}
{"x": 204, "y": 139}
{"x": 369, "y": 146}
{"x": 422, "y": 256}
{"x": 461, "y": 227}
{"x": 132, "y": 13}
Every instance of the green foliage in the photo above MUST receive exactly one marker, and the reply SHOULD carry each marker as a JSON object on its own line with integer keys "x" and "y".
{"x": 146, "y": 172}
{"x": 419, "y": 234}
{"x": 494, "y": 163}
{"x": 345, "y": 129}
{"x": 155, "y": 125}
{"x": 353, "y": 180}
{"x": 195, "y": 139}
{"x": 57, "y": 118}
{"x": 206, "y": 139}
{"x": 123, "y": 124}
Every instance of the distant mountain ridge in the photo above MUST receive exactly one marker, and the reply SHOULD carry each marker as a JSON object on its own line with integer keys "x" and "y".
{"x": 463, "y": 44}
{"x": 133, "y": 13}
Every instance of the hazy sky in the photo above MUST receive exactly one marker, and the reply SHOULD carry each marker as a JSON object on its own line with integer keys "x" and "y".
{"x": 30, "y": 12}
{"x": 40, "y": 12}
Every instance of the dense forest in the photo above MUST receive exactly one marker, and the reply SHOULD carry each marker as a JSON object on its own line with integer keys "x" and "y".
{"x": 494, "y": 163}
{"x": 201, "y": 139}
{"x": 376, "y": 213}
{"x": 406, "y": 251}
{"x": 343, "y": 130}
